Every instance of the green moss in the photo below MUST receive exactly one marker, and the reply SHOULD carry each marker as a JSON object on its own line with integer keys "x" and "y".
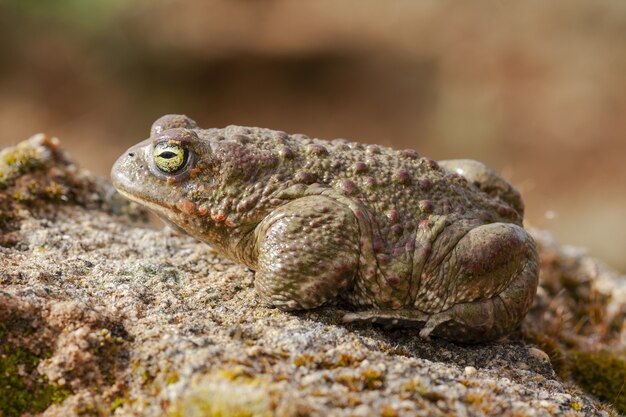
{"x": 372, "y": 379}
{"x": 481, "y": 400}
{"x": 146, "y": 377}
{"x": 236, "y": 373}
{"x": 414, "y": 388}
{"x": 117, "y": 403}
{"x": 55, "y": 191}
{"x": 603, "y": 374}
{"x": 327, "y": 362}
{"x": 172, "y": 378}
{"x": 576, "y": 406}
{"x": 343, "y": 360}
{"x": 22, "y": 389}
{"x": 368, "y": 379}
{"x": 307, "y": 360}
{"x": 19, "y": 160}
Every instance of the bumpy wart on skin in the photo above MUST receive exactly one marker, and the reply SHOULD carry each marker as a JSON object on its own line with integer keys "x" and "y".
{"x": 405, "y": 240}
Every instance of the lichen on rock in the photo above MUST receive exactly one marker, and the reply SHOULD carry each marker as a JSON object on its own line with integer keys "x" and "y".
{"x": 216, "y": 396}
{"x": 112, "y": 317}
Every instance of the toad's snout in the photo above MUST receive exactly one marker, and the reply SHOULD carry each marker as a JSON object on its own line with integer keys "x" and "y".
{"x": 129, "y": 171}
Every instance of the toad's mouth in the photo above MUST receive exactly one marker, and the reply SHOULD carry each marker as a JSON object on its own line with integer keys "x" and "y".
{"x": 157, "y": 206}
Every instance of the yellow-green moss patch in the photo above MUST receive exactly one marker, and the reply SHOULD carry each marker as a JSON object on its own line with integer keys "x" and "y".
{"x": 22, "y": 389}
{"x": 602, "y": 374}
{"x": 24, "y": 157}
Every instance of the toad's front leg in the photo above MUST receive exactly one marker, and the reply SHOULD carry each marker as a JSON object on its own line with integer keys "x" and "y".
{"x": 307, "y": 252}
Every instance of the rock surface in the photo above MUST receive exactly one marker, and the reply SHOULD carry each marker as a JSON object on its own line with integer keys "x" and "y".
{"x": 102, "y": 314}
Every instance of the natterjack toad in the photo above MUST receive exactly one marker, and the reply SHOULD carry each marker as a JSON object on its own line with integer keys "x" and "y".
{"x": 405, "y": 240}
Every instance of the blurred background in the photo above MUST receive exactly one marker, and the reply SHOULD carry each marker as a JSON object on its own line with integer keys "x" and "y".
{"x": 535, "y": 89}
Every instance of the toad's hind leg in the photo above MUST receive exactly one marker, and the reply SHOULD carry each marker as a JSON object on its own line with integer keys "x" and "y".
{"x": 307, "y": 253}
{"x": 496, "y": 316}
{"x": 493, "y": 279}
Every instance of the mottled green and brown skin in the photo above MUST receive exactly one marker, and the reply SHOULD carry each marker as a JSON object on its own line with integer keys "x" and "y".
{"x": 402, "y": 238}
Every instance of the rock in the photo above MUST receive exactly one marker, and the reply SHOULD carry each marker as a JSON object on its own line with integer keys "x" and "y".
{"x": 539, "y": 354}
{"x": 102, "y": 314}
{"x": 470, "y": 371}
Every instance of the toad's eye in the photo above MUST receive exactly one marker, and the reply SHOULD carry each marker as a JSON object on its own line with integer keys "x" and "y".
{"x": 170, "y": 157}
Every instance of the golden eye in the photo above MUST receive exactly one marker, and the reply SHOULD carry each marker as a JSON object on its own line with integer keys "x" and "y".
{"x": 170, "y": 157}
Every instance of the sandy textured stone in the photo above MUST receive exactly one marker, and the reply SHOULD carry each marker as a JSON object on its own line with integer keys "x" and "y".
{"x": 139, "y": 321}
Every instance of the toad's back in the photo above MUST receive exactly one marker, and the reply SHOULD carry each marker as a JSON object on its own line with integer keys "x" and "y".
{"x": 398, "y": 186}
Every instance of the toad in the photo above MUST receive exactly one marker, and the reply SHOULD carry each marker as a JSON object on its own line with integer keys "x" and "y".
{"x": 400, "y": 238}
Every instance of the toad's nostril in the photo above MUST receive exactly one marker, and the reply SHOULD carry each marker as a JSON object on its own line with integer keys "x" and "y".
{"x": 131, "y": 154}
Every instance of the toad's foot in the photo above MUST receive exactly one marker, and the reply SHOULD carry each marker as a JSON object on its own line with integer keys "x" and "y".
{"x": 388, "y": 318}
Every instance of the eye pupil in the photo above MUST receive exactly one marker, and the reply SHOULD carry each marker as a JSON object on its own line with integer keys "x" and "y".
{"x": 168, "y": 154}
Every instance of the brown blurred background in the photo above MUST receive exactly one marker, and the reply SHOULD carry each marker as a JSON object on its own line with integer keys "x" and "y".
{"x": 535, "y": 89}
